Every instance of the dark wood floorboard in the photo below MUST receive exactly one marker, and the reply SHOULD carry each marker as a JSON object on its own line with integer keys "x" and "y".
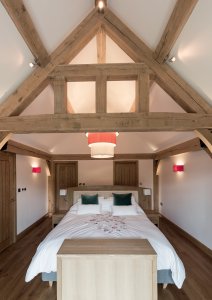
{"x": 15, "y": 260}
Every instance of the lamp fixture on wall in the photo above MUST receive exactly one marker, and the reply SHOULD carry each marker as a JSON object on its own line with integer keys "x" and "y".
{"x": 178, "y": 168}
{"x": 102, "y": 144}
{"x": 36, "y": 169}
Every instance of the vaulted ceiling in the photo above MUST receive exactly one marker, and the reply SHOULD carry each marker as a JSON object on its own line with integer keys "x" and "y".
{"x": 129, "y": 31}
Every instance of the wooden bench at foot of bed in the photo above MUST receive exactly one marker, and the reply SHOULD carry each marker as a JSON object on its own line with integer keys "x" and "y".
{"x": 115, "y": 269}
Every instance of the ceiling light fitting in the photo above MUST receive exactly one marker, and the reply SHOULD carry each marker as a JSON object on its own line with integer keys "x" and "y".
{"x": 101, "y": 5}
{"x": 34, "y": 63}
{"x": 102, "y": 144}
{"x": 172, "y": 59}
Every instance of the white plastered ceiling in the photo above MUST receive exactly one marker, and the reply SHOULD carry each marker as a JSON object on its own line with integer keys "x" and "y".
{"x": 55, "y": 19}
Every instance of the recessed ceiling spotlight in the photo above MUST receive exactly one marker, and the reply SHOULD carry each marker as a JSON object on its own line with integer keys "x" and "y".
{"x": 32, "y": 64}
{"x": 172, "y": 59}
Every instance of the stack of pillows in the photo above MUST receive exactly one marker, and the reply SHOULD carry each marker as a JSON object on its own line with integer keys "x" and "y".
{"x": 117, "y": 205}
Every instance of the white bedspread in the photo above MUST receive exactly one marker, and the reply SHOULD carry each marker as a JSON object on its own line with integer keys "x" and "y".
{"x": 105, "y": 226}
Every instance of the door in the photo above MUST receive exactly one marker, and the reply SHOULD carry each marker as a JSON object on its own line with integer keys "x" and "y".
{"x": 126, "y": 173}
{"x": 7, "y": 200}
{"x": 66, "y": 176}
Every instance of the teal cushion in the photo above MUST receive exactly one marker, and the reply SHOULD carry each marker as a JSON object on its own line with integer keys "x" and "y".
{"x": 122, "y": 199}
{"x": 89, "y": 199}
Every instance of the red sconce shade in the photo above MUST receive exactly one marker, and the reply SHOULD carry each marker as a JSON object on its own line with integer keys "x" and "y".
{"x": 178, "y": 168}
{"x": 36, "y": 170}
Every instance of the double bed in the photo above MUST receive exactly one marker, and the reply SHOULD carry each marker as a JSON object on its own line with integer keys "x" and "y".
{"x": 106, "y": 220}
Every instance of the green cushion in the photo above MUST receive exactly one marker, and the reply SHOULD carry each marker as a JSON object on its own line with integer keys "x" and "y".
{"x": 89, "y": 199}
{"x": 122, "y": 199}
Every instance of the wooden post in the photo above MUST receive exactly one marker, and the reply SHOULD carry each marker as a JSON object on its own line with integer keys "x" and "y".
{"x": 155, "y": 185}
{"x": 101, "y": 94}
{"x": 101, "y": 46}
{"x": 60, "y": 95}
{"x": 51, "y": 188}
{"x": 142, "y": 91}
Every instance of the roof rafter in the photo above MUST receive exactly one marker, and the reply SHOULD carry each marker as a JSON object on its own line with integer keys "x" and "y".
{"x": 188, "y": 146}
{"x": 177, "y": 21}
{"x": 4, "y": 137}
{"x": 123, "y": 122}
{"x": 167, "y": 78}
{"x": 38, "y": 80}
{"x": 22, "y": 20}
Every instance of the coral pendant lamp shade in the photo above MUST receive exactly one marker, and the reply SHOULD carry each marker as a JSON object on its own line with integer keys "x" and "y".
{"x": 102, "y": 144}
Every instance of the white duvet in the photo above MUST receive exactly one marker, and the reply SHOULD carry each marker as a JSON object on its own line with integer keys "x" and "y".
{"x": 105, "y": 226}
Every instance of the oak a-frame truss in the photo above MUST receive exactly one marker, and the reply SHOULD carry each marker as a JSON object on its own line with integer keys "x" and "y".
{"x": 198, "y": 116}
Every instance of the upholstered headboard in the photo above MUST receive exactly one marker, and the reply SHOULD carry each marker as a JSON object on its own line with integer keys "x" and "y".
{"x": 74, "y": 193}
{"x": 105, "y": 194}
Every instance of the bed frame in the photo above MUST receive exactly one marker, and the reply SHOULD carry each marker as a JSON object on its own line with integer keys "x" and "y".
{"x": 163, "y": 276}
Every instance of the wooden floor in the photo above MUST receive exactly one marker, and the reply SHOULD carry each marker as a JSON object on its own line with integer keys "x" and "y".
{"x": 15, "y": 260}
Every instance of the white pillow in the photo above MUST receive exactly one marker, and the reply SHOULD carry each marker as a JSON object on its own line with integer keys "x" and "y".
{"x": 84, "y": 209}
{"x": 106, "y": 204}
{"x": 122, "y": 210}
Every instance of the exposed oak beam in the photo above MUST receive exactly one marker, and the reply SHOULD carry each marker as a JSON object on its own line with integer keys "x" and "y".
{"x": 126, "y": 122}
{"x": 59, "y": 157}
{"x": 101, "y": 94}
{"x": 18, "y": 148}
{"x": 101, "y": 45}
{"x": 188, "y": 146}
{"x": 60, "y": 95}
{"x": 38, "y": 80}
{"x": 89, "y": 72}
{"x": 4, "y": 138}
{"x": 167, "y": 78}
{"x": 22, "y": 20}
{"x": 177, "y": 21}
{"x": 142, "y": 91}
{"x": 206, "y": 136}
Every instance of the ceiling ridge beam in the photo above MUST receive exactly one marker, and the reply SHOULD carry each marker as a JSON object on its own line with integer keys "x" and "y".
{"x": 23, "y": 22}
{"x": 123, "y": 122}
{"x": 166, "y": 77}
{"x": 175, "y": 25}
{"x": 188, "y": 146}
{"x": 38, "y": 80}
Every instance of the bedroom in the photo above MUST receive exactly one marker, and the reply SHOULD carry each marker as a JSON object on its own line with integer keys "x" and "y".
{"x": 185, "y": 197}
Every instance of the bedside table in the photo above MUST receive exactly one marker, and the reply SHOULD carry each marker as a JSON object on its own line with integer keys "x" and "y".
{"x": 154, "y": 216}
{"x": 57, "y": 217}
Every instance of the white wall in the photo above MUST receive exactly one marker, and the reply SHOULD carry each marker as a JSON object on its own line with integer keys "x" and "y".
{"x": 32, "y": 204}
{"x": 187, "y": 196}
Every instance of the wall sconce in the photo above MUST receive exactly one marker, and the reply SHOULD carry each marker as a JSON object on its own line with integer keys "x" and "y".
{"x": 63, "y": 192}
{"x": 36, "y": 169}
{"x": 178, "y": 168}
{"x": 147, "y": 192}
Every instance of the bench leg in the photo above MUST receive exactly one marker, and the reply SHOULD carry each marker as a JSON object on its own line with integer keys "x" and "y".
{"x": 50, "y": 283}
